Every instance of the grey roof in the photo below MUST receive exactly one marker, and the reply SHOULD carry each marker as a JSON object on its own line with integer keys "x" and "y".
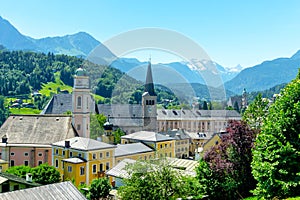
{"x": 192, "y": 114}
{"x": 177, "y": 134}
{"x": 123, "y": 114}
{"x": 63, "y": 190}
{"x": 147, "y": 136}
{"x": 133, "y": 148}
{"x": 149, "y": 86}
{"x": 120, "y": 169}
{"x": 58, "y": 104}
{"x": 15, "y": 178}
{"x": 121, "y": 110}
{"x": 37, "y": 129}
{"x": 85, "y": 144}
{"x": 199, "y": 135}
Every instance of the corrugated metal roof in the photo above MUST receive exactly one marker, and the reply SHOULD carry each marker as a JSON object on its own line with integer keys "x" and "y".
{"x": 63, "y": 190}
{"x": 182, "y": 166}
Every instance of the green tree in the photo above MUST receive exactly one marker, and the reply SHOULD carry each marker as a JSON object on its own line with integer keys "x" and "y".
{"x": 45, "y": 174}
{"x": 276, "y": 154}
{"x": 20, "y": 170}
{"x": 96, "y": 125}
{"x": 256, "y": 112}
{"x": 99, "y": 188}
{"x": 156, "y": 181}
{"x": 3, "y": 110}
{"x": 117, "y": 136}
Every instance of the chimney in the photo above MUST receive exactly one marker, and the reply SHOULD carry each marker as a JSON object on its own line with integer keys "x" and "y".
{"x": 67, "y": 144}
{"x": 29, "y": 177}
{"x": 4, "y": 139}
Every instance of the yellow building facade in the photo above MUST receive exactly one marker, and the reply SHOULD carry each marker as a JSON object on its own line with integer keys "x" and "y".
{"x": 164, "y": 146}
{"x": 82, "y": 159}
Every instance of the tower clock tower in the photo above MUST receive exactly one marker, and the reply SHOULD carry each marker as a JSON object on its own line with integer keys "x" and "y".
{"x": 81, "y": 103}
{"x": 149, "y": 100}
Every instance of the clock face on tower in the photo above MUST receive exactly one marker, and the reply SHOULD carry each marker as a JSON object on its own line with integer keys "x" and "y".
{"x": 149, "y": 109}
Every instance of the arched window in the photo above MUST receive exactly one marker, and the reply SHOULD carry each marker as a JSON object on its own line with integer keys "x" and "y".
{"x": 79, "y": 102}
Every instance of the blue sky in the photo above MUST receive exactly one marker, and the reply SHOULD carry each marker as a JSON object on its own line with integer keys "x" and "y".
{"x": 231, "y": 32}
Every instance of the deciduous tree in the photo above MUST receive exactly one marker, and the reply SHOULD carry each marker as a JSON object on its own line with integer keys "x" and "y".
{"x": 276, "y": 154}
{"x": 99, "y": 188}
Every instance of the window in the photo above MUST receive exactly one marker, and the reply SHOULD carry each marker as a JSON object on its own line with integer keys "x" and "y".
{"x": 40, "y": 162}
{"x": 81, "y": 170}
{"x": 79, "y": 155}
{"x": 107, "y": 166}
{"x": 56, "y": 163}
{"x": 94, "y": 156}
{"x": 166, "y": 154}
{"x": 170, "y": 144}
{"x": 78, "y": 127}
{"x": 94, "y": 169}
{"x": 166, "y": 145}
{"x": 12, "y": 163}
{"x": 100, "y": 155}
{"x": 69, "y": 168}
{"x": 26, "y": 154}
{"x": 0, "y": 168}
{"x": 145, "y": 157}
{"x": 87, "y": 103}
{"x": 16, "y": 187}
{"x": 63, "y": 153}
{"x": 79, "y": 102}
{"x": 161, "y": 146}
{"x": 101, "y": 167}
{"x": 170, "y": 154}
{"x": 40, "y": 154}
{"x": 26, "y": 163}
{"x": 12, "y": 153}
{"x": 56, "y": 151}
{"x": 71, "y": 154}
{"x": 107, "y": 154}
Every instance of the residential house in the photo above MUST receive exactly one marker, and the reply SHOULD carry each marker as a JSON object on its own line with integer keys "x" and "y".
{"x": 82, "y": 159}
{"x": 198, "y": 139}
{"x": 182, "y": 142}
{"x": 27, "y": 139}
{"x": 10, "y": 182}
{"x": 163, "y": 145}
{"x": 135, "y": 151}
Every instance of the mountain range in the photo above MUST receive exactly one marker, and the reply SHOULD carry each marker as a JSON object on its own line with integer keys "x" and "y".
{"x": 257, "y": 78}
{"x": 79, "y": 44}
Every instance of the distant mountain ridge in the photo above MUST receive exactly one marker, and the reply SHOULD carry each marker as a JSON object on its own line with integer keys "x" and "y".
{"x": 265, "y": 75}
{"x": 79, "y": 44}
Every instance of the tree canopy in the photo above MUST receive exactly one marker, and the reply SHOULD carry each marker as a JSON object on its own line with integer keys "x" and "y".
{"x": 225, "y": 172}
{"x": 276, "y": 154}
{"x": 43, "y": 174}
{"x": 99, "y": 188}
{"x": 159, "y": 181}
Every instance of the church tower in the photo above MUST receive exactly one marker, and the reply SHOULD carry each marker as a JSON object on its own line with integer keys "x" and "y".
{"x": 149, "y": 100}
{"x": 81, "y": 103}
{"x": 244, "y": 99}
